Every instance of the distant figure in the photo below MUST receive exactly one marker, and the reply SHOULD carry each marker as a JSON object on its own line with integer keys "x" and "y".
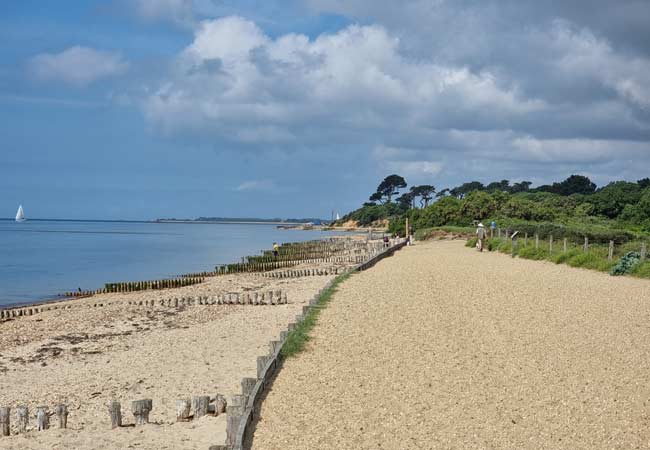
{"x": 276, "y": 249}
{"x": 386, "y": 241}
{"x": 481, "y": 235}
{"x": 493, "y": 225}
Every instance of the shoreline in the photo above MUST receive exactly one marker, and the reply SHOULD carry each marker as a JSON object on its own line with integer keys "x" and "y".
{"x": 163, "y": 345}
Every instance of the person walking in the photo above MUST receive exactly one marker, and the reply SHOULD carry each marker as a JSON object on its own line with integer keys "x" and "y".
{"x": 481, "y": 234}
{"x": 276, "y": 249}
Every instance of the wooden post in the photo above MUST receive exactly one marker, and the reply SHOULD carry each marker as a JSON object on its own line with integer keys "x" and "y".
{"x": 234, "y": 411}
{"x": 507, "y": 233}
{"x": 42, "y": 418}
{"x": 261, "y": 365}
{"x": 247, "y": 385}
{"x": 62, "y": 413}
{"x": 220, "y": 404}
{"x": 536, "y": 241}
{"x": 526, "y": 239}
{"x": 115, "y": 410}
{"x": 183, "y": 406}
{"x": 406, "y": 233}
{"x": 610, "y": 253}
{"x": 585, "y": 248}
{"x": 499, "y": 232}
{"x": 491, "y": 232}
{"x": 643, "y": 251}
{"x": 564, "y": 245}
{"x": 5, "y": 420}
{"x": 200, "y": 405}
{"x": 22, "y": 416}
{"x": 550, "y": 245}
{"x": 141, "y": 410}
{"x": 514, "y": 246}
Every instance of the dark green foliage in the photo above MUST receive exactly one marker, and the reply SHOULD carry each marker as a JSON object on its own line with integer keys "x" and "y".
{"x": 388, "y": 187}
{"x": 575, "y": 184}
{"x": 626, "y": 263}
{"x": 369, "y": 214}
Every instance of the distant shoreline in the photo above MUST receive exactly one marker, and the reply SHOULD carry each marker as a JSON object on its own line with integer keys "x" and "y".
{"x": 170, "y": 221}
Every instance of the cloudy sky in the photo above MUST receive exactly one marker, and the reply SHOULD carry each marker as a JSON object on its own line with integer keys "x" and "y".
{"x": 140, "y": 109}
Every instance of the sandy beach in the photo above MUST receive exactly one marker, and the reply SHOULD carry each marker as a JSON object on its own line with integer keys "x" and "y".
{"x": 88, "y": 356}
{"x": 443, "y": 347}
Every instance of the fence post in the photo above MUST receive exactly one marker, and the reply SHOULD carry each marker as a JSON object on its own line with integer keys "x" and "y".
{"x": 526, "y": 239}
{"x": 499, "y": 232}
{"x": 507, "y": 233}
{"x": 5, "y": 420}
{"x": 491, "y": 232}
{"x": 643, "y": 251}
{"x": 586, "y": 246}
{"x": 514, "y": 246}
{"x": 536, "y": 241}
{"x": 564, "y": 245}
{"x": 550, "y": 245}
{"x": 610, "y": 254}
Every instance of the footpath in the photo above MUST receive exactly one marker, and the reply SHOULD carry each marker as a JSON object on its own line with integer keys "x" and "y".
{"x": 442, "y": 347}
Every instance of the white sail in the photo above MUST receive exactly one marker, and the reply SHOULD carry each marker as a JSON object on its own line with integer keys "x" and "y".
{"x": 337, "y": 216}
{"x": 20, "y": 215}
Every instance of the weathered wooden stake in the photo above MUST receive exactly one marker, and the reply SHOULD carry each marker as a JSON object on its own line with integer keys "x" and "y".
{"x": 585, "y": 248}
{"x": 42, "y": 418}
{"x": 183, "y": 406}
{"x": 261, "y": 364}
{"x": 200, "y": 405}
{"x": 220, "y": 404}
{"x": 536, "y": 241}
{"x": 62, "y": 413}
{"x": 234, "y": 411}
{"x": 564, "y": 248}
{"x": 643, "y": 251}
{"x": 5, "y": 420}
{"x": 610, "y": 253}
{"x": 22, "y": 417}
{"x": 247, "y": 385}
{"x": 141, "y": 410}
{"x": 115, "y": 410}
{"x": 550, "y": 245}
{"x": 525, "y": 239}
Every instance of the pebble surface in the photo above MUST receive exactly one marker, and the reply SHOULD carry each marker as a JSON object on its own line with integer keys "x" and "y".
{"x": 443, "y": 347}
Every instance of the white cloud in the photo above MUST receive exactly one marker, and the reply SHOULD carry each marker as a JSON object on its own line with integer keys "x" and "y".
{"x": 233, "y": 75}
{"x": 78, "y": 65}
{"x": 255, "y": 185}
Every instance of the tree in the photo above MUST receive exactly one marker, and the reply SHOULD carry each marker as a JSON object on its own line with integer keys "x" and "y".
{"x": 389, "y": 187}
{"x": 611, "y": 200}
{"x": 644, "y": 183}
{"x": 376, "y": 197}
{"x": 503, "y": 185}
{"x": 575, "y": 184}
{"x": 524, "y": 186}
{"x": 465, "y": 188}
{"x": 406, "y": 200}
{"x": 425, "y": 192}
{"x": 442, "y": 193}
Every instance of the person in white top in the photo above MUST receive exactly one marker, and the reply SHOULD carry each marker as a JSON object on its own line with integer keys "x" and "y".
{"x": 481, "y": 234}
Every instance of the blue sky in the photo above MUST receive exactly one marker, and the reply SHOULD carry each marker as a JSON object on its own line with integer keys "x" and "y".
{"x": 139, "y": 109}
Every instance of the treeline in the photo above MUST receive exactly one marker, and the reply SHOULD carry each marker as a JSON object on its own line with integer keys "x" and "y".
{"x": 575, "y": 200}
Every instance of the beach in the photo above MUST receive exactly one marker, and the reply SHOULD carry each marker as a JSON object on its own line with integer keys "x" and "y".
{"x": 90, "y": 355}
{"x": 443, "y": 347}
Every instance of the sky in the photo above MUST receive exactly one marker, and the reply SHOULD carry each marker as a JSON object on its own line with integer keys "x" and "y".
{"x": 140, "y": 109}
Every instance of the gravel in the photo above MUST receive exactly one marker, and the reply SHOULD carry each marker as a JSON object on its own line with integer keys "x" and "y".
{"x": 442, "y": 347}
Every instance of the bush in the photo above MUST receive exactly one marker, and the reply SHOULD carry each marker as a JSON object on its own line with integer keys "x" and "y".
{"x": 642, "y": 270}
{"x": 564, "y": 257}
{"x": 590, "y": 260}
{"x": 626, "y": 263}
{"x": 471, "y": 243}
{"x": 530, "y": 252}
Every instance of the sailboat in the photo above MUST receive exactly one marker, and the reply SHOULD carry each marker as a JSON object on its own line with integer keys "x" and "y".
{"x": 20, "y": 215}
{"x": 337, "y": 216}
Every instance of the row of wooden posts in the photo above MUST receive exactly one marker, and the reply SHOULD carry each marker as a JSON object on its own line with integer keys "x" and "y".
{"x": 277, "y": 297}
{"x": 186, "y": 409}
{"x": 304, "y": 273}
{"x": 22, "y": 418}
{"x": 585, "y": 246}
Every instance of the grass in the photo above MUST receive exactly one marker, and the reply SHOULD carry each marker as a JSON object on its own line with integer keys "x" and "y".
{"x": 297, "y": 338}
{"x": 594, "y": 259}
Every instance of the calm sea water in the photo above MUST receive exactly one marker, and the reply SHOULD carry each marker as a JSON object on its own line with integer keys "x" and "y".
{"x": 40, "y": 259}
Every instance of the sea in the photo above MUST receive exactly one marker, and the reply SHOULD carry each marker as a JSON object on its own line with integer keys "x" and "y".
{"x": 41, "y": 259}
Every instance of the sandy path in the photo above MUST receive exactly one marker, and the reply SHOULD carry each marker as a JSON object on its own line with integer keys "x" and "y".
{"x": 442, "y": 347}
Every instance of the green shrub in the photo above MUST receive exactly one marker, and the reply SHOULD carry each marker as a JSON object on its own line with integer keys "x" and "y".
{"x": 471, "y": 243}
{"x": 529, "y": 252}
{"x": 642, "y": 270}
{"x": 562, "y": 257}
{"x": 626, "y": 263}
{"x": 590, "y": 260}
{"x": 493, "y": 244}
